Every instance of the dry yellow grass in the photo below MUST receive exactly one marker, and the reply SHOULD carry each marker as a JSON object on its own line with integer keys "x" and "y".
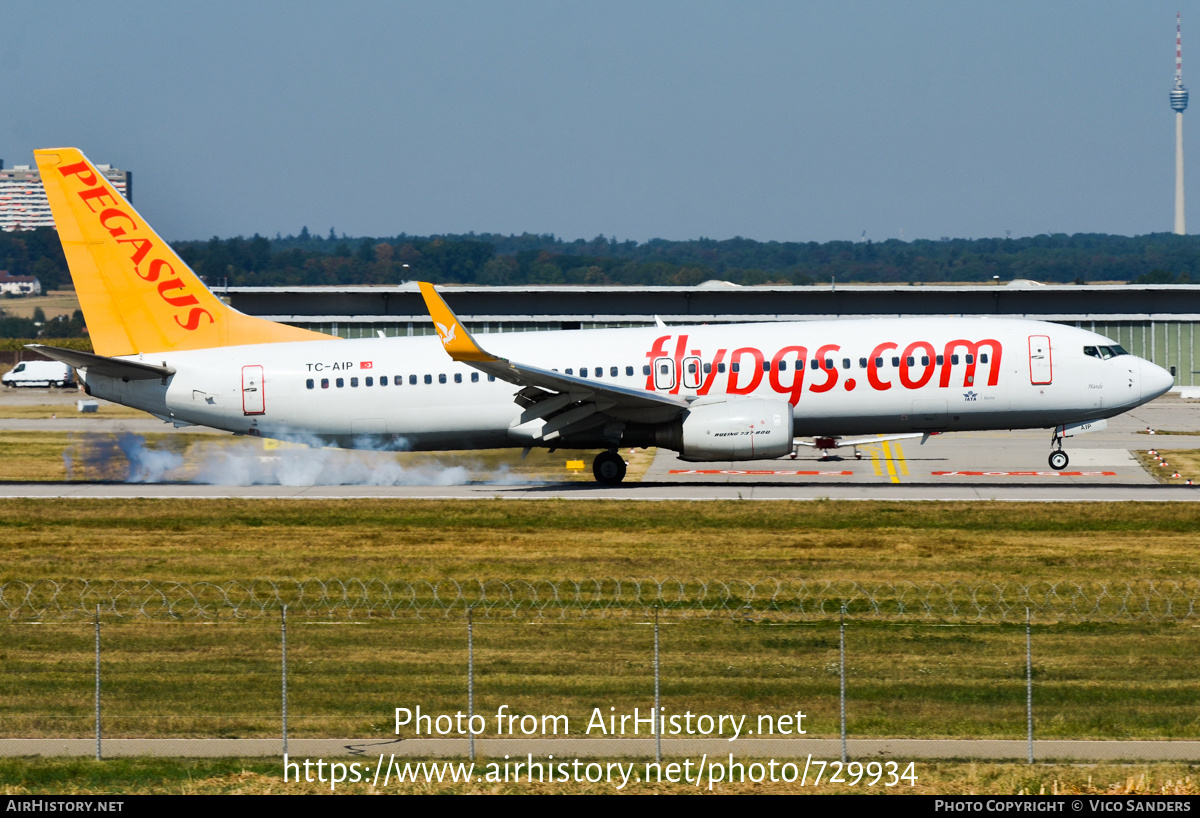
{"x": 1184, "y": 462}
{"x": 106, "y": 411}
{"x": 53, "y": 304}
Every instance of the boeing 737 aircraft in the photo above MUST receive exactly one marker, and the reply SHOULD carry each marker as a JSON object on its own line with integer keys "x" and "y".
{"x": 164, "y": 344}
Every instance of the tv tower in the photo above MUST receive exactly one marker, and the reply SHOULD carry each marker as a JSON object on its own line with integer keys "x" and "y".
{"x": 1179, "y": 100}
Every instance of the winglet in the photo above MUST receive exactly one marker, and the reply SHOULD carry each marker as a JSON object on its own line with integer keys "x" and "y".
{"x": 455, "y": 338}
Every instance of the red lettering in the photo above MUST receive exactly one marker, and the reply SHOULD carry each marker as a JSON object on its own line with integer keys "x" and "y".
{"x": 929, "y": 367}
{"x": 657, "y": 351}
{"x": 112, "y": 213}
{"x": 712, "y": 373}
{"x": 972, "y": 349}
{"x": 80, "y": 169}
{"x": 873, "y": 371}
{"x": 680, "y": 345}
{"x": 734, "y": 360}
{"x": 97, "y": 193}
{"x": 193, "y": 320}
{"x": 178, "y": 300}
{"x": 143, "y": 246}
{"x": 831, "y": 374}
{"x": 797, "y": 384}
{"x": 155, "y": 268}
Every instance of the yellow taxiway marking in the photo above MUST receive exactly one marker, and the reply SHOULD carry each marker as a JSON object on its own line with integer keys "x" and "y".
{"x": 875, "y": 460}
{"x": 890, "y": 462}
{"x": 900, "y": 459}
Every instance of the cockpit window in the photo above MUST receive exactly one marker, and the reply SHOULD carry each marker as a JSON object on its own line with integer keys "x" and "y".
{"x": 1104, "y": 353}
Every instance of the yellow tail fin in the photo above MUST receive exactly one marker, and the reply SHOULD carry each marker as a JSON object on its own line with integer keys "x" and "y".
{"x": 137, "y": 295}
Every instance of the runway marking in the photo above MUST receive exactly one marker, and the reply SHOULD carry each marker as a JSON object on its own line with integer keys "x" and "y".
{"x": 890, "y": 463}
{"x": 759, "y": 471}
{"x": 902, "y": 462}
{"x": 1024, "y": 473}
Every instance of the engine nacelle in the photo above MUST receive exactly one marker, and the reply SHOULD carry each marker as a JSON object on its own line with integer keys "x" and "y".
{"x": 748, "y": 429}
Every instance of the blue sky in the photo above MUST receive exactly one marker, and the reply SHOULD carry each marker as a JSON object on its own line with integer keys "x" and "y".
{"x": 794, "y": 121}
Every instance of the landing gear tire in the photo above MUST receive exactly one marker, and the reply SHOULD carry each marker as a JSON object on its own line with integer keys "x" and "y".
{"x": 1059, "y": 460}
{"x": 609, "y": 468}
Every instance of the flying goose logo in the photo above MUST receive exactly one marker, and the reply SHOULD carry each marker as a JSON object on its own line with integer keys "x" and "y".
{"x": 447, "y": 334}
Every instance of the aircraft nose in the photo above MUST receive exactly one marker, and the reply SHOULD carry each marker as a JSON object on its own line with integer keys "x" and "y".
{"x": 1155, "y": 380}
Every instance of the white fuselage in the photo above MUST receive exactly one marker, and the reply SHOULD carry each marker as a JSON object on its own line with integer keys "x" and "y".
{"x": 841, "y": 377}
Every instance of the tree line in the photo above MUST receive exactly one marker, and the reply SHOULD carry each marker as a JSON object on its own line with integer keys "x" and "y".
{"x": 493, "y": 259}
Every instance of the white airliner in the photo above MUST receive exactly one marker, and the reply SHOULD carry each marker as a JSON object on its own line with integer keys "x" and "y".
{"x": 164, "y": 344}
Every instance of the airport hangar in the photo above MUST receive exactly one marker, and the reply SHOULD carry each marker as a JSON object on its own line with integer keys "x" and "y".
{"x": 1156, "y": 322}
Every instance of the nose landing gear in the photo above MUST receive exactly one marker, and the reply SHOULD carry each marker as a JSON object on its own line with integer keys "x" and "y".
{"x": 1058, "y": 458}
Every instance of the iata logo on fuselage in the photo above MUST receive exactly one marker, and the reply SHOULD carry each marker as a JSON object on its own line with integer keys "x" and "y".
{"x": 912, "y": 368}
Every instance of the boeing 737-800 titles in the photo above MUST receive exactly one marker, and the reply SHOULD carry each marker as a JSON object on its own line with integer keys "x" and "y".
{"x": 164, "y": 344}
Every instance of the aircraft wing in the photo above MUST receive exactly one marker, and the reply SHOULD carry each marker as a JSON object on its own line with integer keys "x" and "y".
{"x": 545, "y": 392}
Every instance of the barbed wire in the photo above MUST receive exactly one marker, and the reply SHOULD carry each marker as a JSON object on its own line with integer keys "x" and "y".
{"x": 770, "y": 598}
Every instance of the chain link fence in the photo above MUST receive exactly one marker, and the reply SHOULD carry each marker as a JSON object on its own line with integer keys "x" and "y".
{"x": 790, "y": 599}
{"x": 869, "y": 665}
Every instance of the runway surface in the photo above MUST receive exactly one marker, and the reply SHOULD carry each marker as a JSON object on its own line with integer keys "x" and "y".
{"x": 1003, "y": 466}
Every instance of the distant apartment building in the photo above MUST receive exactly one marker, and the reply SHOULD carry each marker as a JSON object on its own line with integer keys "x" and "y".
{"x": 23, "y": 204}
{"x": 19, "y": 285}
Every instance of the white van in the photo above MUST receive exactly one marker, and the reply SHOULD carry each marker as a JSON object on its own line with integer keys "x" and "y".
{"x": 39, "y": 373}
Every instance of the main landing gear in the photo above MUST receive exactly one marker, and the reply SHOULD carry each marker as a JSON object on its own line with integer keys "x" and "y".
{"x": 609, "y": 468}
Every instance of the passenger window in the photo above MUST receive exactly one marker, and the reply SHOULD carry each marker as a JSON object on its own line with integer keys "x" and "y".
{"x": 911, "y": 361}
{"x": 862, "y": 363}
{"x": 428, "y": 379}
{"x": 458, "y": 377}
{"x": 766, "y": 366}
{"x": 370, "y": 381}
{"x": 736, "y": 366}
{"x": 814, "y": 364}
{"x": 441, "y": 377}
{"x": 583, "y": 371}
{"x": 383, "y": 380}
{"x": 940, "y": 360}
{"x": 878, "y": 363}
{"x": 970, "y": 359}
{"x": 570, "y": 370}
{"x": 895, "y": 362}
{"x": 845, "y": 363}
{"x": 412, "y": 380}
{"x": 324, "y": 383}
{"x": 692, "y": 370}
{"x": 707, "y": 368}
{"x": 613, "y": 371}
{"x": 309, "y": 383}
{"x": 954, "y": 360}
{"x": 474, "y": 377}
{"x": 629, "y": 370}
{"x": 721, "y": 368}
{"x": 354, "y": 381}
{"x": 340, "y": 383}
{"x": 924, "y": 360}
{"x": 491, "y": 378}
{"x": 983, "y": 358}
{"x": 829, "y": 363}
{"x": 646, "y": 369}
{"x": 782, "y": 366}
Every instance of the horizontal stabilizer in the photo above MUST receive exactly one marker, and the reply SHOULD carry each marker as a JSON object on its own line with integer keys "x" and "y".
{"x": 109, "y": 367}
